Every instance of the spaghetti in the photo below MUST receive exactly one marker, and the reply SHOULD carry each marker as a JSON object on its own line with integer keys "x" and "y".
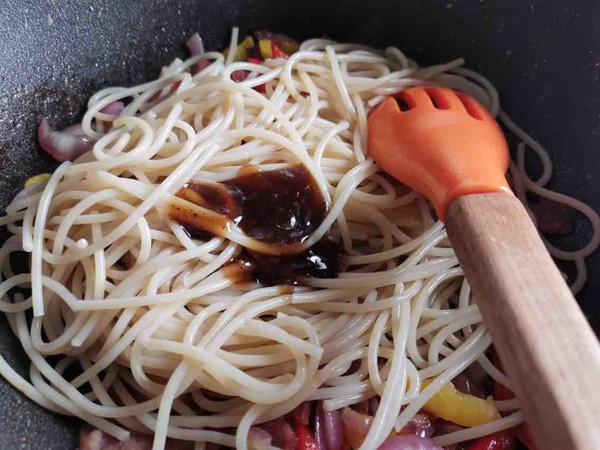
{"x": 151, "y": 319}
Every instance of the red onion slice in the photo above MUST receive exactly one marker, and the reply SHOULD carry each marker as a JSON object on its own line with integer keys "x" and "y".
{"x": 195, "y": 44}
{"x": 301, "y": 414}
{"x": 419, "y": 425}
{"x": 75, "y": 130}
{"x": 200, "y": 66}
{"x": 259, "y": 439}
{"x": 62, "y": 146}
{"x": 239, "y": 75}
{"x": 356, "y": 426}
{"x": 373, "y": 405}
{"x": 329, "y": 430}
{"x": 282, "y": 433}
{"x": 93, "y": 439}
{"x": 114, "y": 108}
{"x": 401, "y": 442}
{"x": 465, "y": 384}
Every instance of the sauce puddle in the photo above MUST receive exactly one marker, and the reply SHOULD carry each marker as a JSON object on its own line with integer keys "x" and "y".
{"x": 281, "y": 207}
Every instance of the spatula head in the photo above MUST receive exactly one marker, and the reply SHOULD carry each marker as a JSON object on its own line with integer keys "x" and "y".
{"x": 440, "y": 142}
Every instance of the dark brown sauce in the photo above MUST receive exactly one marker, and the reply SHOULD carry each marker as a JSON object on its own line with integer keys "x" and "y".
{"x": 281, "y": 207}
{"x": 322, "y": 260}
{"x": 278, "y": 206}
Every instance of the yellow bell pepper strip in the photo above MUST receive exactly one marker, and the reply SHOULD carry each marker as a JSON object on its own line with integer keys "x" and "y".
{"x": 241, "y": 51}
{"x": 265, "y": 46}
{"x": 462, "y": 409}
{"x": 285, "y": 43}
{"x": 40, "y": 178}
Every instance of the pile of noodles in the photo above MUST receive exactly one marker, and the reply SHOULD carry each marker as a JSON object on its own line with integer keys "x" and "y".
{"x": 148, "y": 319}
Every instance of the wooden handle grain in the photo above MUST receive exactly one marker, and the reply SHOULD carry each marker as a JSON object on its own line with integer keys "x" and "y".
{"x": 546, "y": 345}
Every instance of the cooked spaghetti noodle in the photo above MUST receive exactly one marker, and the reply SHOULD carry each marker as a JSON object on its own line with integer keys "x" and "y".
{"x": 151, "y": 320}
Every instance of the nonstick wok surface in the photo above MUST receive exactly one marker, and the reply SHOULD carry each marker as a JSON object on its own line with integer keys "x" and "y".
{"x": 544, "y": 57}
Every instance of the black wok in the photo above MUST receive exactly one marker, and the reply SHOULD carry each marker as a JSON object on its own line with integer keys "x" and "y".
{"x": 544, "y": 56}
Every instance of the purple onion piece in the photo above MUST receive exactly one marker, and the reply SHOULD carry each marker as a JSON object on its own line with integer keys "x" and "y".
{"x": 361, "y": 407}
{"x": 444, "y": 427}
{"x": 419, "y": 425}
{"x": 195, "y": 44}
{"x": 282, "y": 433}
{"x": 329, "y": 429}
{"x": 373, "y": 405}
{"x": 405, "y": 442}
{"x": 285, "y": 43}
{"x": 62, "y": 146}
{"x": 75, "y": 130}
{"x": 465, "y": 384}
{"x": 301, "y": 414}
{"x": 258, "y": 439}
{"x": 200, "y": 66}
{"x": 239, "y": 75}
{"x": 114, "y": 108}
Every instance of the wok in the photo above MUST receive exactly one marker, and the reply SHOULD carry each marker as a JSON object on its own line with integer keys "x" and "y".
{"x": 544, "y": 57}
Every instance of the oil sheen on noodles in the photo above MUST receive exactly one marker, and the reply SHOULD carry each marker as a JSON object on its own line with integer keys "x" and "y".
{"x": 173, "y": 322}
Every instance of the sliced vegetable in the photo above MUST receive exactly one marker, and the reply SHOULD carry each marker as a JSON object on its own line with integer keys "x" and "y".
{"x": 524, "y": 435}
{"x": 282, "y": 433}
{"x": 444, "y": 427}
{"x": 242, "y": 50}
{"x": 174, "y": 86}
{"x": 356, "y": 426}
{"x": 405, "y": 442}
{"x": 62, "y": 146}
{"x": 462, "y": 409}
{"x": 93, "y": 439}
{"x": 114, "y": 109}
{"x": 276, "y": 52}
{"x": 200, "y": 66}
{"x": 285, "y": 43}
{"x": 301, "y": 414}
{"x": 501, "y": 392}
{"x": 306, "y": 441}
{"x": 40, "y": 178}
{"x": 195, "y": 44}
{"x": 329, "y": 430}
{"x": 420, "y": 425}
{"x": 465, "y": 384}
{"x": 503, "y": 440}
{"x": 259, "y": 439}
{"x": 239, "y": 75}
{"x": 361, "y": 407}
{"x": 265, "y": 48}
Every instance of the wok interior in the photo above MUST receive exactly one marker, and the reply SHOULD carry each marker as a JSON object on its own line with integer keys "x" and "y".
{"x": 54, "y": 57}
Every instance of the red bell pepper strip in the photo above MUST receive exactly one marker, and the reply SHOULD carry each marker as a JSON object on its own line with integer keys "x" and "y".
{"x": 306, "y": 441}
{"x": 174, "y": 87}
{"x": 523, "y": 435}
{"x": 277, "y": 52}
{"x": 261, "y": 87}
{"x": 502, "y": 440}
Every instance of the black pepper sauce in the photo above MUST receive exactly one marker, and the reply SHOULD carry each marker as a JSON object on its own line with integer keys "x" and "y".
{"x": 280, "y": 207}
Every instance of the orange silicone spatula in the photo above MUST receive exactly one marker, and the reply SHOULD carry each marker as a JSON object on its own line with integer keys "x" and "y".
{"x": 445, "y": 145}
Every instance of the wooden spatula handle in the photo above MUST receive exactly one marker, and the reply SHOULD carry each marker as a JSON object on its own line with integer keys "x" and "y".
{"x": 545, "y": 343}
